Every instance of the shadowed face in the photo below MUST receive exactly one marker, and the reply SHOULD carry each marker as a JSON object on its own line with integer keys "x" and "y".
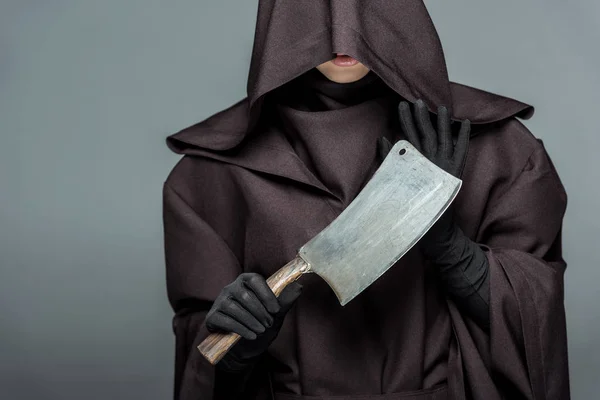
{"x": 343, "y": 69}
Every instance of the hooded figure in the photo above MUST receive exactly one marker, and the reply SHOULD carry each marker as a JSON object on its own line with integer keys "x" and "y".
{"x": 262, "y": 177}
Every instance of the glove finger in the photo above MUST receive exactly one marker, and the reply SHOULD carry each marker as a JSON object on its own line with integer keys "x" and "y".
{"x": 462, "y": 144}
{"x": 237, "y": 311}
{"x": 224, "y": 323}
{"x": 444, "y": 132}
{"x": 253, "y": 305}
{"x": 408, "y": 126}
{"x": 428, "y": 134}
{"x": 263, "y": 292}
{"x": 288, "y": 297}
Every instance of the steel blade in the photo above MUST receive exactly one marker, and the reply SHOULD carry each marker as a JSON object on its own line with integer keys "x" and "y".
{"x": 402, "y": 200}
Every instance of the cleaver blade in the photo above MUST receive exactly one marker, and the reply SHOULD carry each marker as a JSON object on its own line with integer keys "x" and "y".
{"x": 405, "y": 196}
{"x": 403, "y": 199}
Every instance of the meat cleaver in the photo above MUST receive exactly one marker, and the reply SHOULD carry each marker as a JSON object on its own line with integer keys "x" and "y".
{"x": 405, "y": 196}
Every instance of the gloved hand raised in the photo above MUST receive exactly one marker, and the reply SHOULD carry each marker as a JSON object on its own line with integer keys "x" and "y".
{"x": 248, "y": 307}
{"x": 461, "y": 263}
{"x": 438, "y": 146}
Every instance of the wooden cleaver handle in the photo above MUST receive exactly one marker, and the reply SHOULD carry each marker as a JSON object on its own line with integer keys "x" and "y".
{"x": 216, "y": 345}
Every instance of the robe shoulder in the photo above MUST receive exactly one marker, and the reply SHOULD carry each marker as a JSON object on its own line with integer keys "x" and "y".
{"x": 515, "y": 168}
{"x": 509, "y": 137}
{"x": 209, "y": 188}
{"x": 500, "y": 156}
{"x": 196, "y": 178}
{"x": 503, "y": 149}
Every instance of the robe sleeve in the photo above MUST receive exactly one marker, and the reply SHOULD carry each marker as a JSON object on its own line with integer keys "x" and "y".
{"x": 199, "y": 263}
{"x": 521, "y": 234}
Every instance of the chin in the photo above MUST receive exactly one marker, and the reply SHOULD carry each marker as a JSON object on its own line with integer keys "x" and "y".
{"x": 343, "y": 74}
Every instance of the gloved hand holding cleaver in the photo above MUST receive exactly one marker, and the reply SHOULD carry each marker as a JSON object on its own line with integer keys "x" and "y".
{"x": 365, "y": 240}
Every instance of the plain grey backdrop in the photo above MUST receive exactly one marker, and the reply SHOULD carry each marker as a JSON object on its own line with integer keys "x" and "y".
{"x": 90, "y": 89}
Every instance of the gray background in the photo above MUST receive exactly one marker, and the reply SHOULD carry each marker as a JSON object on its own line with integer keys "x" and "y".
{"x": 90, "y": 89}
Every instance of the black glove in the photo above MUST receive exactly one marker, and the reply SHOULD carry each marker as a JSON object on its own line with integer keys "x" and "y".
{"x": 462, "y": 264}
{"x": 248, "y": 307}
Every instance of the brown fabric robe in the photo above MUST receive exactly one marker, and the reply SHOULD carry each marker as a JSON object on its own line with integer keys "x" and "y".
{"x": 242, "y": 199}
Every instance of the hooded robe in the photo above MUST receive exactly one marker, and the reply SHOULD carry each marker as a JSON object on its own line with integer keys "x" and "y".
{"x": 262, "y": 177}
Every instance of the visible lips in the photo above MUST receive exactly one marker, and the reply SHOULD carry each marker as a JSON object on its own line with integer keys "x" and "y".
{"x": 343, "y": 60}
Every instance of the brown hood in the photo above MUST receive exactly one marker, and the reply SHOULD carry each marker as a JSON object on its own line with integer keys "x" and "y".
{"x": 395, "y": 39}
